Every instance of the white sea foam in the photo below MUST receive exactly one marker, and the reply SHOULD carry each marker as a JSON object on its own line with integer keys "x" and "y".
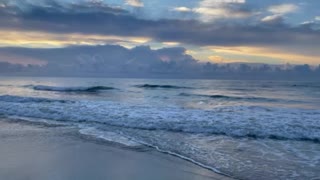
{"x": 235, "y": 121}
{"x": 19, "y": 99}
{"x": 108, "y": 136}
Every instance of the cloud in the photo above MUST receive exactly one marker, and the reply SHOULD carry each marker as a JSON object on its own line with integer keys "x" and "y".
{"x": 142, "y": 61}
{"x": 116, "y": 22}
{"x": 283, "y": 9}
{"x": 273, "y": 19}
{"x": 38, "y": 39}
{"x": 182, "y": 9}
{"x": 214, "y": 3}
{"x": 18, "y": 59}
{"x": 106, "y": 60}
{"x": 98, "y": 23}
{"x": 135, "y": 3}
{"x": 267, "y": 52}
{"x": 278, "y": 11}
{"x": 168, "y": 43}
{"x": 220, "y": 59}
{"x": 17, "y": 7}
{"x": 210, "y": 10}
{"x": 314, "y": 23}
{"x": 210, "y": 14}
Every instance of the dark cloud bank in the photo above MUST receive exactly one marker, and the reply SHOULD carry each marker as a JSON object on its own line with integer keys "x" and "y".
{"x": 143, "y": 62}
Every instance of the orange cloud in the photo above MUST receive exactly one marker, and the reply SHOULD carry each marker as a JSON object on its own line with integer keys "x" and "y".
{"x": 220, "y": 59}
{"x": 171, "y": 43}
{"x": 267, "y": 53}
{"x": 48, "y": 40}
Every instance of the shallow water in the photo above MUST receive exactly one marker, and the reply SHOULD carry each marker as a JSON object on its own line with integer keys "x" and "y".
{"x": 246, "y": 129}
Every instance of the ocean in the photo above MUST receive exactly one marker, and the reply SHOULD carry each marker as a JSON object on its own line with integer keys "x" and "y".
{"x": 243, "y": 129}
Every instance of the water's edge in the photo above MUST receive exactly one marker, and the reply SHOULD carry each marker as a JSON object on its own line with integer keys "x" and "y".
{"x": 54, "y": 124}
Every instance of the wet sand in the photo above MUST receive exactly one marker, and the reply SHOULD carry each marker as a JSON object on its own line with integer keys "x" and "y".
{"x": 38, "y": 152}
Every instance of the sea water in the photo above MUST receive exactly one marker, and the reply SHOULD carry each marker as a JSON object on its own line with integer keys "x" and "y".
{"x": 243, "y": 129}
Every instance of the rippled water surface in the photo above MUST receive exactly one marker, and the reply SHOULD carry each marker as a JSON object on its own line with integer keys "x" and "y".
{"x": 245, "y": 129}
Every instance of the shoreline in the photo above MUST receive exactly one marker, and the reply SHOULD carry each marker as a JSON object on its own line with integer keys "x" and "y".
{"x": 35, "y": 151}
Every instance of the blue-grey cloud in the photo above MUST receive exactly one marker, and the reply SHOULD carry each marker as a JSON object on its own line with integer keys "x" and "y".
{"x": 142, "y": 61}
{"x": 107, "y": 58}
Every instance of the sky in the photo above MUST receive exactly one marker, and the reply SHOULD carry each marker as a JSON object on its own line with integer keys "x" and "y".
{"x": 216, "y": 31}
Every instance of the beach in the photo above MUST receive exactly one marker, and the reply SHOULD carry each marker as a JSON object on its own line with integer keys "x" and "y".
{"x": 38, "y": 151}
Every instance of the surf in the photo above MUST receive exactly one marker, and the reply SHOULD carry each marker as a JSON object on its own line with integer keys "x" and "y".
{"x": 71, "y": 89}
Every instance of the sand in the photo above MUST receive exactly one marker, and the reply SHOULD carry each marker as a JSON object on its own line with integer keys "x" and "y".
{"x": 37, "y": 152}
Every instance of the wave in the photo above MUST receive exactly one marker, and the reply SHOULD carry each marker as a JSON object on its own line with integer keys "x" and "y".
{"x": 19, "y": 99}
{"x": 71, "y": 89}
{"x": 218, "y": 96}
{"x": 5, "y": 85}
{"x": 242, "y": 89}
{"x": 215, "y": 131}
{"x": 305, "y": 86}
{"x": 108, "y": 136}
{"x": 218, "y": 130}
{"x": 154, "y": 86}
{"x": 211, "y": 96}
{"x": 234, "y": 121}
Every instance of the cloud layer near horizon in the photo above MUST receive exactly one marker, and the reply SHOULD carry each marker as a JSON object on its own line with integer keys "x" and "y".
{"x": 141, "y": 61}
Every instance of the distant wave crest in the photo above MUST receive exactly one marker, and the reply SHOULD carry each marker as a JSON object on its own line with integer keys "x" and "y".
{"x": 306, "y": 86}
{"x": 71, "y": 89}
{"x": 218, "y": 96}
{"x": 153, "y": 86}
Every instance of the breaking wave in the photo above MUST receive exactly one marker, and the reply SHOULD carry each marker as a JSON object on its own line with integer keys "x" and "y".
{"x": 217, "y": 96}
{"x": 19, "y": 99}
{"x": 72, "y": 89}
{"x": 153, "y": 86}
{"x": 235, "y": 121}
